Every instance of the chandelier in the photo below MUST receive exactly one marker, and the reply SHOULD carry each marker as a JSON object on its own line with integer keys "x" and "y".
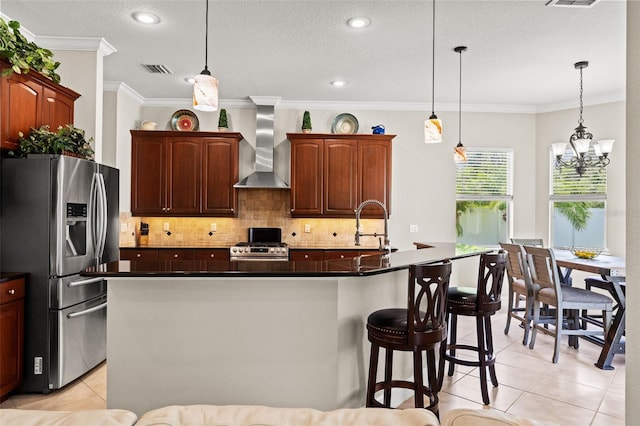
{"x": 580, "y": 142}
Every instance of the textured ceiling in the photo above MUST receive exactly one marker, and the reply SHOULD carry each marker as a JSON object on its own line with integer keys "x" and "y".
{"x": 521, "y": 53}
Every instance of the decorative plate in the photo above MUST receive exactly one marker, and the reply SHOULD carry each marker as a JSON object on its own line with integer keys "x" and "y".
{"x": 184, "y": 120}
{"x": 344, "y": 123}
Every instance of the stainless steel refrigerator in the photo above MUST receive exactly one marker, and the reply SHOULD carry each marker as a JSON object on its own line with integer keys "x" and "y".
{"x": 59, "y": 215}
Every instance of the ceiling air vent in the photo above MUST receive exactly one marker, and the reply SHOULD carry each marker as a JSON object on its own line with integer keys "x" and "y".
{"x": 157, "y": 69}
{"x": 572, "y": 3}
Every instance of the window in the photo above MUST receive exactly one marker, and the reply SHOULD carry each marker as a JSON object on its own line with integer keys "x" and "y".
{"x": 577, "y": 205}
{"x": 484, "y": 193}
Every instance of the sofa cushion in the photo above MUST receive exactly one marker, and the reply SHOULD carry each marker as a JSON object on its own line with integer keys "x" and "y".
{"x": 250, "y": 415}
{"x": 111, "y": 417}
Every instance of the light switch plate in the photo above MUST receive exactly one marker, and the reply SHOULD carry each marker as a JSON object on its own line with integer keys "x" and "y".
{"x": 413, "y": 229}
{"x": 166, "y": 226}
{"x": 307, "y": 228}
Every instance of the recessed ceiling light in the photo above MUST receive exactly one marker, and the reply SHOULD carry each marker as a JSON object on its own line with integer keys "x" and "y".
{"x": 145, "y": 18}
{"x": 359, "y": 22}
{"x": 189, "y": 80}
{"x": 338, "y": 83}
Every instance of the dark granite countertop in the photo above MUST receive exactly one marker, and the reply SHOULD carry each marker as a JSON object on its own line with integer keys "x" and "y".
{"x": 361, "y": 265}
{"x": 6, "y": 276}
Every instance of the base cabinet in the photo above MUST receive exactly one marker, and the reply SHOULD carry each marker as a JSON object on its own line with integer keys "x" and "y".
{"x": 184, "y": 173}
{"x": 165, "y": 254}
{"x": 332, "y": 174}
{"x": 11, "y": 334}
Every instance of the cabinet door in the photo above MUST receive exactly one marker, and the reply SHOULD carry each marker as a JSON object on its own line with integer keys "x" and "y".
{"x": 183, "y": 175}
{"x": 220, "y": 173}
{"x": 21, "y": 108}
{"x": 57, "y": 109}
{"x": 306, "y": 177}
{"x": 11, "y": 334}
{"x": 340, "y": 177}
{"x": 374, "y": 169}
{"x": 148, "y": 181}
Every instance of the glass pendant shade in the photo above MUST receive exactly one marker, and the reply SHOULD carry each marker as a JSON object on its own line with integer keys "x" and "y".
{"x": 205, "y": 92}
{"x": 558, "y": 148}
{"x": 582, "y": 145}
{"x": 606, "y": 145}
{"x": 433, "y": 130}
{"x": 460, "y": 154}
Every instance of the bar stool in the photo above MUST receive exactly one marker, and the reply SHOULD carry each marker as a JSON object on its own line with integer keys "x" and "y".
{"x": 419, "y": 327}
{"x": 481, "y": 302}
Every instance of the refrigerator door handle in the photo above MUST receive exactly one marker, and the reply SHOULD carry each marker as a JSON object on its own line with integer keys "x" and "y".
{"x": 93, "y": 193}
{"x": 85, "y": 282}
{"x": 102, "y": 214}
{"x": 87, "y": 311}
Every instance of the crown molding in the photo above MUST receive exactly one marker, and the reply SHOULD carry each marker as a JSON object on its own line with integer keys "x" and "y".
{"x": 90, "y": 44}
{"x": 590, "y": 101}
{"x": 120, "y": 87}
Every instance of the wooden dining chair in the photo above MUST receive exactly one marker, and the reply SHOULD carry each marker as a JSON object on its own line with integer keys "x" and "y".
{"x": 567, "y": 301}
{"x": 536, "y": 242}
{"x": 521, "y": 290}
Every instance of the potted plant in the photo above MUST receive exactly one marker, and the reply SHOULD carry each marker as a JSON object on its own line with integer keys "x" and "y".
{"x": 68, "y": 140}
{"x": 306, "y": 122}
{"x": 24, "y": 55}
{"x": 223, "y": 124}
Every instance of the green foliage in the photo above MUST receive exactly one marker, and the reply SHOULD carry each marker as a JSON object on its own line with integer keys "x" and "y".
{"x": 222, "y": 119}
{"x": 577, "y": 213}
{"x": 24, "y": 55}
{"x": 306, "y": 121}
{"x": 67, "y": 139}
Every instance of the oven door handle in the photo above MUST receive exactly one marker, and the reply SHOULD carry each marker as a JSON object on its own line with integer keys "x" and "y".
{"x": 87, "y": 311}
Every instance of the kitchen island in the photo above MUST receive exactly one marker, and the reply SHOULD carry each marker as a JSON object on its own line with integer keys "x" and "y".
{"x": 278, "y": 333}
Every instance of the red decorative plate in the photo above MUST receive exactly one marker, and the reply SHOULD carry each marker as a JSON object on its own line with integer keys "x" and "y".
{"x": 184, "y": 120}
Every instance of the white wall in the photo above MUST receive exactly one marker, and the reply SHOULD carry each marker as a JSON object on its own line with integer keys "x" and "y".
{"x": 606, "y": 121}
{"x": 632, "y": 360}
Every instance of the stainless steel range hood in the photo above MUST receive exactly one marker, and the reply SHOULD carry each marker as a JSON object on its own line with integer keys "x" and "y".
{"x": 264, "y": 176}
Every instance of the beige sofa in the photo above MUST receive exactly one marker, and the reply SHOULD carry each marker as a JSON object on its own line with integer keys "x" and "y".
{"x": 248, "y": 415}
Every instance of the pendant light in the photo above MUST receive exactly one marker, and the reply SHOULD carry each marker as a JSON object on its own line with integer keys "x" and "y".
{"x": 433, "y": 125}
{"x": 205, "y": 86}
{"x": 460, "y": 152}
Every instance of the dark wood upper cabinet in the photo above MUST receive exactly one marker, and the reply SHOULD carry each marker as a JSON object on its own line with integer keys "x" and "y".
{"x": 332, "y": 174}
{"x": 184, "y": 173}
{"x": 306, "y": 177}
{"x": 31, "y": 100}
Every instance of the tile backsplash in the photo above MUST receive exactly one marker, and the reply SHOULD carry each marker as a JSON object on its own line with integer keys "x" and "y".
{"x": 256, "y": 208}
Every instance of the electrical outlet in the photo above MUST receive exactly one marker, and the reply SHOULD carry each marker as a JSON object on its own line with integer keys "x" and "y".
{"x": 413, "y": 228}
{"x": 307, "y": 228}
{"x": 213, "y": 227}
{"x": 166, "y": 226}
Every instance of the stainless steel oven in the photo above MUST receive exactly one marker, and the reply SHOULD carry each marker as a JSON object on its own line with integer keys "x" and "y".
{"x": 262, "y": 244}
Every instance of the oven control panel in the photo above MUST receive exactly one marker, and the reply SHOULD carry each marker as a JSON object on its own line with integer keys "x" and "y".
{"x": 259, "y": 252}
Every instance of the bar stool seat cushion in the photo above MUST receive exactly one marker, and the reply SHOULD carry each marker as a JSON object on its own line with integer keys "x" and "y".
{"x": 390, "y": 320}
{"x": 572, "y": 295}
{"x": 462, "y": 296}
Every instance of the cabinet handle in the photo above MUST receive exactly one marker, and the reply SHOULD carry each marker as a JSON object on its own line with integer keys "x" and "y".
{"x": 212, "y": 255}
{"x": 342, "y": 256}
{"x": 138, "y": 254}
{"x": 306, "y": 256}
{"x": 175, "y": 255}
{"x": 12, "y": 291}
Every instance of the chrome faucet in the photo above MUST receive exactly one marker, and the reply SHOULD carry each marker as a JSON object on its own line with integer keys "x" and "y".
{"x": 387, "y": 244}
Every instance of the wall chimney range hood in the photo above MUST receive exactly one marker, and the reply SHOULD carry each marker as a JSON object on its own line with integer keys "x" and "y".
{"x": 264, "y": 176}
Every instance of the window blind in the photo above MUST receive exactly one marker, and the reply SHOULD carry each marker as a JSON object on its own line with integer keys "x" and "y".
{"x": 487, "y": 174}
{"x": 567, "y": 182}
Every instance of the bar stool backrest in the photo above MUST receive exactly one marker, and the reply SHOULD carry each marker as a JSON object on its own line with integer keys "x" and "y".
{"x": 427, "y": 302}
{"x": 517, "y": 268}
{"x": 490, "y": 278}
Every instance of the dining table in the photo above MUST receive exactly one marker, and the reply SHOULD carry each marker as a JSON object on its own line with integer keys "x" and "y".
{"x": 611, "y": 270}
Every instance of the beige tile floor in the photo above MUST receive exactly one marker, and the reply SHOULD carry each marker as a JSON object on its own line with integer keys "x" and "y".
{"x": 571, "y": 392}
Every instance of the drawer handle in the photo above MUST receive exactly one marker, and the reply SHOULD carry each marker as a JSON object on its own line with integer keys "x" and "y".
{"x": 175, "y": 255}
{"x": 213, "y": 255}
{"x": 138, "y": 254}
{"x": 12, "y": 291}
{"x": 306, "y": 256}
